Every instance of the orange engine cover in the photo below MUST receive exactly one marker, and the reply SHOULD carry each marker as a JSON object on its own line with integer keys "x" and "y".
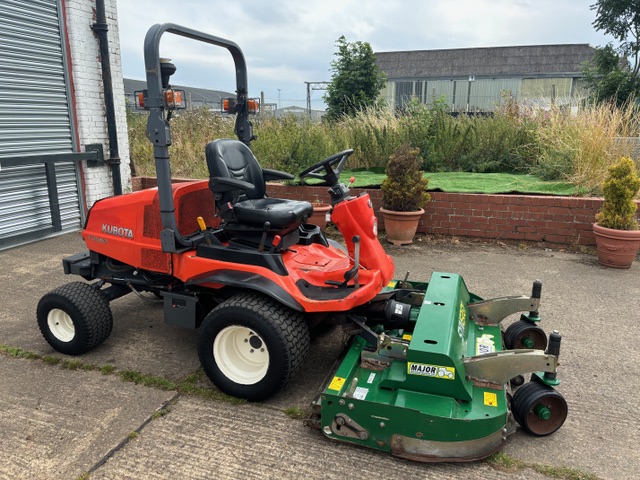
{"x": 127, "y": 227}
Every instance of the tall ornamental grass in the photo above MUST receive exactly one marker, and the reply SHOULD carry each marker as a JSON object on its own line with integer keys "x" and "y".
{"x": 554, "y": 143}
{"x": 580, "y": 146}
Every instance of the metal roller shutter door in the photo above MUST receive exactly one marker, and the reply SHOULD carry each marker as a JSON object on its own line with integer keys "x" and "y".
{"x": 34, "y": 120}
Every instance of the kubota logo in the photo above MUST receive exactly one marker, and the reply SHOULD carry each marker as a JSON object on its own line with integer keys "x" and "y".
{"x": 117, "y": 231}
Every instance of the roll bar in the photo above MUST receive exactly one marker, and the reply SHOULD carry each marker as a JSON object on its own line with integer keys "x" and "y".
{"x": 159, "y": 131}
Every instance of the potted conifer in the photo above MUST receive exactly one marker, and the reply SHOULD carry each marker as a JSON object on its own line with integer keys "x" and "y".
{"x": 403, "y": 195}
{"x": 616, "y": 227}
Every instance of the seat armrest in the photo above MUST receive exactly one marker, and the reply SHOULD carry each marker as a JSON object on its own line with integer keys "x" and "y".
{"x": 226, "y": 184}
{"x": 270, "y": 174}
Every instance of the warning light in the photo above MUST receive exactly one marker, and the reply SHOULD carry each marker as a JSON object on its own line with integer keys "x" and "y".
{"x": 231, "y": 105}
{"x": 253, "y": 105}
{"x": 175, "y": 99}
{"x": 139, "y": 96}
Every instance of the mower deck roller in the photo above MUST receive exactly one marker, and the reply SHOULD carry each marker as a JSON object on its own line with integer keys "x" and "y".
{"x": 438, "y": 388}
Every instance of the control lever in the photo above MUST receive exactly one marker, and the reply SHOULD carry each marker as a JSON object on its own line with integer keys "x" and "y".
{"x": 353, "y": 272}
{"x": 356, "y": 259}
{"x": 265, "y": 230}
{"x": 275, "y": 244}
{"x": 203, "y": 229}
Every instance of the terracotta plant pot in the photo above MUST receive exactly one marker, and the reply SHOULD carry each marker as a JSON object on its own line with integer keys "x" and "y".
{"x": 319, "y": 216}
{"x": 616, "y": 248}
{"x": 401, "y": 227}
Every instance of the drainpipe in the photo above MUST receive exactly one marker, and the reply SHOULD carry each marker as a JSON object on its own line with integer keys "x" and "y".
{"x": 101, "y": 28}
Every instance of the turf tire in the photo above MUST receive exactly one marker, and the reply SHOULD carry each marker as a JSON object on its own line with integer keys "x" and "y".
{"x": 86, "y": 308}
{"x": 283, "y": 332}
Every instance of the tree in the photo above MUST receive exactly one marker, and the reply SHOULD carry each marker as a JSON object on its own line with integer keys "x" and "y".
{"x": 609, "y": 78}
{"x": 621, "y": 20}
{"x": 355, "y": 82}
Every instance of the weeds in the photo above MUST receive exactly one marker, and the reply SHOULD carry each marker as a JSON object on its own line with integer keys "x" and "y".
{"x": 51, "y": 359}
{"x": 18, "y": 352}
{"x": 502, "y": 461}
{"x": 193, "y": 385}
{"x": 296, "y": 412}
{"x": 160, "y": 413}
{"x": 76, "y": 365}
{"x": 147, "y": 380}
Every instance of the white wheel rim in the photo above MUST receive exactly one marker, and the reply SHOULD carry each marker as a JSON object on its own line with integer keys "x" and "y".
{"x": 241, "y": 355}
{"x": 61, "y": 325}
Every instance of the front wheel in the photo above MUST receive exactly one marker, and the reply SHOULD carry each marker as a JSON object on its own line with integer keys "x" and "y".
{"x": 74, "y": 318}
{"x": 251, "y": 346}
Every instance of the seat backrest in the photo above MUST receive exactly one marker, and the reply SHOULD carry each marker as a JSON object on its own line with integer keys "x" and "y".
{"x": 233, "y": 159}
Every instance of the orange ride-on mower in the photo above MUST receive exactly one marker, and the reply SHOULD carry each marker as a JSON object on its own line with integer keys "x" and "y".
{"x": 429, "y": 373}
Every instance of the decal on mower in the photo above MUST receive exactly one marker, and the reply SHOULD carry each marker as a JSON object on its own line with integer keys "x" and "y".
{"x": 337, "y": 383}
{"x": 117, "y": 231}
{"x": 406, "y": 336}
{"x": 93, "y": 238}
{"x": 462, "y": 323}
{"x": 435, "y": 371}
{"x": 490, "y": 399}
{"x": 360, "y": 393}
{"x": 485, "y": 344}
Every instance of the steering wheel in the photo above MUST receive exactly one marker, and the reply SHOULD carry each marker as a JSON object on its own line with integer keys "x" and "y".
{"x": 325, "y": 170}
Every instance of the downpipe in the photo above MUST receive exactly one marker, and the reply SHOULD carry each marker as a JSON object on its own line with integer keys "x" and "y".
{"x": 101, "y": 27}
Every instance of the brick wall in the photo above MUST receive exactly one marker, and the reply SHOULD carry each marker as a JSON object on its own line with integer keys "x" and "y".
{"x": 561, "y": 220}
{"x": 89, "y": 92}
{"x": 564, "y": 220}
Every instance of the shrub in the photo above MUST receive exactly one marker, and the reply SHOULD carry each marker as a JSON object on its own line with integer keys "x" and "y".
{"x": 502, "y": 142}
{"x": 404, "y": 188}
{"x": 620, "y": 188}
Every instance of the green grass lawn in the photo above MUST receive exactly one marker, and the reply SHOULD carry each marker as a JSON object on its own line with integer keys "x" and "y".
{"x": 464, "y": 182}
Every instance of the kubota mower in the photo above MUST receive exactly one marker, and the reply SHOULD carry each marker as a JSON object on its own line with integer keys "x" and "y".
{"x": 428, "y": 373}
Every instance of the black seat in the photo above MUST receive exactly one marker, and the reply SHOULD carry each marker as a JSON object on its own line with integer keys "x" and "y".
{"x": 238, "y": 184}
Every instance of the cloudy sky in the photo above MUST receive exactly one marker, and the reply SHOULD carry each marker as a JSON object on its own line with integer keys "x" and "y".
{"x": 288, "y": 42}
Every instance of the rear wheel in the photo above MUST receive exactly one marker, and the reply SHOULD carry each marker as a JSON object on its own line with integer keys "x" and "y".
{"x": 74, "y": 318}
{"x": 251, "y": 346}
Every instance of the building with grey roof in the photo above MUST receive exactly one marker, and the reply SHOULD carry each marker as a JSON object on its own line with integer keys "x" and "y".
{"x": 196, "y": 97}
{"x": 479, "y": 79}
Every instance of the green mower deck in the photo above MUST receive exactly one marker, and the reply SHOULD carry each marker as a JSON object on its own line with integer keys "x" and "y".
{"x": 440, "y": 389}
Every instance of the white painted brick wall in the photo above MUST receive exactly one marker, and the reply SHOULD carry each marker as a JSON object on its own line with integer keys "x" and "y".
{"x": 89, "y": 93}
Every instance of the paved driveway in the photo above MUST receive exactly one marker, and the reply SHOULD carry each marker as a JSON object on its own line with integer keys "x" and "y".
{"x": 62, "y": 417}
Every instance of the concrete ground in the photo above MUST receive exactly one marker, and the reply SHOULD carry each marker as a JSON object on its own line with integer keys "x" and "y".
{"x": 62, "y": 418}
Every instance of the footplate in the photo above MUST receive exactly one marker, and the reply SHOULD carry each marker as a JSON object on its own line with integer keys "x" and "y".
{"x": 78, "y": 264}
